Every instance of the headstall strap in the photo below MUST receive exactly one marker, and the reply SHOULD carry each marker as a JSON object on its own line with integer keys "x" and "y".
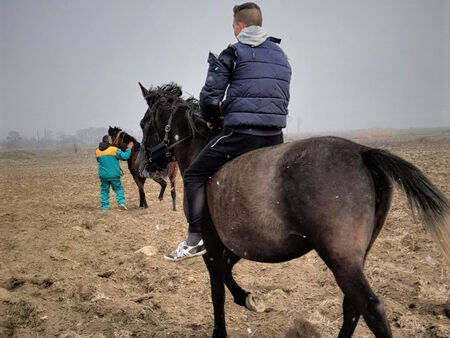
{"x": 168, "y": 127}
{"x": 116, "y": 142}
{"x": 163, "y": 147}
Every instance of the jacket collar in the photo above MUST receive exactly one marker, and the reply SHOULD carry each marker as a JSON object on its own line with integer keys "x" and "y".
{"x": 103, "y": 146}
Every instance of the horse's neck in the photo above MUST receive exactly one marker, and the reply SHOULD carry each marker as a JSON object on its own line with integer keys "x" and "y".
{"x": 122, "y": 146}
{"x": 187, "y": 152}
{"x": 121, "y": 141}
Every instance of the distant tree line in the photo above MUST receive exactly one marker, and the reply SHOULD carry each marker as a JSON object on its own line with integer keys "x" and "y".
{"x": 48, "y": 139}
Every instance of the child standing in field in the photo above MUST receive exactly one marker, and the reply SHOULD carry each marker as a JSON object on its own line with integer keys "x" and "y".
{"x": 109, "y": 171}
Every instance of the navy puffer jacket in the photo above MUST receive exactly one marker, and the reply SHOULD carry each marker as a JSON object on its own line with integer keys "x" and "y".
{"x": 256, "y": 81}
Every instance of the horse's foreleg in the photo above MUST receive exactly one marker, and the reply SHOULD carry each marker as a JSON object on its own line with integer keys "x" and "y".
{"x": 214, "y": 260}
{"x": 142, "y": 199}
{"x": 173, "y": 193}
{"x": 140, "y": 181}
{"x": 163, "y": 185}
{"x": 215, "y": 266}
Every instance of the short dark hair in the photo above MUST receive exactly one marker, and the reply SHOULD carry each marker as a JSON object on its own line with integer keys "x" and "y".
{"x": 248, "y": 13}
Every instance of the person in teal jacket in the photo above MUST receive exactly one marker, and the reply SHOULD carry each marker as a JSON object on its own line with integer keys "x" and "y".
{"x": 109, "y": 171}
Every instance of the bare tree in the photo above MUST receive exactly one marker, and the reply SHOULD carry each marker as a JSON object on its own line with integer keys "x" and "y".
{"x": 13, "y": 139}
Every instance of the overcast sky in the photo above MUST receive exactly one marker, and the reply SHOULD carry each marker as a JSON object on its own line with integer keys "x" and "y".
{"x": 67, "y": 65}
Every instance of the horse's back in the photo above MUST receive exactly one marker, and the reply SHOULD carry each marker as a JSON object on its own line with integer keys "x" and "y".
{"x": 281, "y": 196}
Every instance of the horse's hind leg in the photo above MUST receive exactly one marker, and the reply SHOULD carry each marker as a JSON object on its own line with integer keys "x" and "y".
{"x": 173, "y": 193}
{"x": 351, "y": 318}
{"x": 350, "y": 307}
{"x": 240, "y": 296}
{"x": 238, "y": 293}
{"x": 359, "y": 299}
{"x": 173, "y": 171}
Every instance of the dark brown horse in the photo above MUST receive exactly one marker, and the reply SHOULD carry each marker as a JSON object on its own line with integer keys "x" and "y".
{"x": 274, "y": 204}
{"x": 120, "y": 139}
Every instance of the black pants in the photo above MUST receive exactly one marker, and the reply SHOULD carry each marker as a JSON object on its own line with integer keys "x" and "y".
{"x": 223, "y": 148}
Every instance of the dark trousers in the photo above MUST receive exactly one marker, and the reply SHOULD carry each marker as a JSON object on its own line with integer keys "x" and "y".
{"x": 223, "y": 148}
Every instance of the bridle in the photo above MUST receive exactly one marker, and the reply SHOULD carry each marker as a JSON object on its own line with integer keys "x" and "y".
{"x": 163, "y": 148}
{"x": 116, "y": 138}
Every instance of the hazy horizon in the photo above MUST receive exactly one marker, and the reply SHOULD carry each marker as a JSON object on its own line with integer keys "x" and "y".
{"x": 66, "y": 65}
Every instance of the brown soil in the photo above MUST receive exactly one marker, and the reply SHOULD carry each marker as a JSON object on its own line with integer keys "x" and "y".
{"x": 68, "y": 269}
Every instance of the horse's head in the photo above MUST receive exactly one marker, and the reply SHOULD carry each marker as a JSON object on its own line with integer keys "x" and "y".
{"x": 159, "y": 128}
{"x": 114, "y": 132}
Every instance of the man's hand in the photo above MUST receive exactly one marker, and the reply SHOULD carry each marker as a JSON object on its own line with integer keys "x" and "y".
{"x": 213, "y": 117}
{"x": 130, "y": 145}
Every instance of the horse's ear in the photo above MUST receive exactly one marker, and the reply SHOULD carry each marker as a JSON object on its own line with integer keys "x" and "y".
{"x": 144, "y": 91}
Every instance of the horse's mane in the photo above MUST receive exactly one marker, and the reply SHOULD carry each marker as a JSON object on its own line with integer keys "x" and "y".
{"x": 167, "y": 97}
{"x": 125, "y": 138}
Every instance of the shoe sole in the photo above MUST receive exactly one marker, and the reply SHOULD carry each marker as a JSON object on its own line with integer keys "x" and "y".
{"x": 170, "y": 259}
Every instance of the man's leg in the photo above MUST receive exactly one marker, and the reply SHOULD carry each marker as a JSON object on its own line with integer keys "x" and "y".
{"x": 118, "y": 189}
{"x": 104, "y": 194}
{"x": 195, "y": 177}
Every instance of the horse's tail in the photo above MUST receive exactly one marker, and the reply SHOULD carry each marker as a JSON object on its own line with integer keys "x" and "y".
{"x": 423, "y": 196}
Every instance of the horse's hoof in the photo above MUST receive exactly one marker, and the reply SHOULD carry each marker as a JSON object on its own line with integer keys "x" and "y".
{"x": 254, "y": 304}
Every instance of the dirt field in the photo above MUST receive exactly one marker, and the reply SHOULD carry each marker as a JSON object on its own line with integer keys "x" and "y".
{"x": 68, "y": 269}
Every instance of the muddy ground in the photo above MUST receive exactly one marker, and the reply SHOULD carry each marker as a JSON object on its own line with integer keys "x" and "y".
{"x": 68, "y": 269}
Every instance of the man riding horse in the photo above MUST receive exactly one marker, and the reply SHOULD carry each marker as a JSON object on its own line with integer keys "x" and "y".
{"x": 255, "y": 75}
{"x": 271, "y": 205}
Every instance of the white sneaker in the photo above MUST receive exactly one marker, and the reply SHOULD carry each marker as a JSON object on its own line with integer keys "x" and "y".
{"x": 184, "y": 251}
{"x": 123, "y": 207}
